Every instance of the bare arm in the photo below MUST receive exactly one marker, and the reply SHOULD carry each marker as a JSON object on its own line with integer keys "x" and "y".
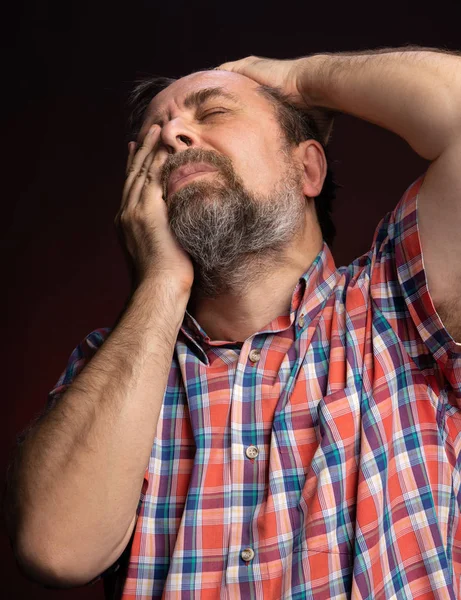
{"x": 79, "y": 475}
{"x": 75, "y": 486}
{"x": 414, "y": 92}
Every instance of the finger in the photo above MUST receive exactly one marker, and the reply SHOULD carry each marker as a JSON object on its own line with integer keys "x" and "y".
{"x": 145, "y": 187}
{"x": 238, "y": 66}
{"x": 130, "y": 196}
{"x": 134, "y": 193}
{"x": 225, "y": 66}
{"x": 131, "y": 148}
{"x": 152, "y": 187}
{"x": 139, "y": 157}
{"x": 148, "y": 174}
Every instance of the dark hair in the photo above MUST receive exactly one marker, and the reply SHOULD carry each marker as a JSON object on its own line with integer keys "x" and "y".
{"x": 297, "y": 125}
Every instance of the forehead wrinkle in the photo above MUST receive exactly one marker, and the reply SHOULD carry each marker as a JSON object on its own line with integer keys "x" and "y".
{"x": 199, "y": 97}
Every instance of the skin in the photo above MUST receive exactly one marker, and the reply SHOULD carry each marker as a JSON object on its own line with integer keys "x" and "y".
{"x": 413, "y": 92}
{"x": 250, "y": 137}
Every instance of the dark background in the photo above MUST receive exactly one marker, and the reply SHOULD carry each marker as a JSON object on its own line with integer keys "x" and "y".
{"x": 67, "y": 69}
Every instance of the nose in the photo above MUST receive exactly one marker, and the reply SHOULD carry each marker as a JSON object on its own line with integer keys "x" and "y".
{"x": 176, "y": 136}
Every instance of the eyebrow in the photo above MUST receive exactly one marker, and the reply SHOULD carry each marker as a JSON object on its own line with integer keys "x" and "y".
{"x": 199, "y": 97}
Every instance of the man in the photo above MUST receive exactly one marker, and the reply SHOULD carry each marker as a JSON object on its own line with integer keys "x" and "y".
{"x": 260, "y": 423}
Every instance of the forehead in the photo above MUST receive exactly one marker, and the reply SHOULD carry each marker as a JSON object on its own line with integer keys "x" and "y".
{"x": 241, "y": 88}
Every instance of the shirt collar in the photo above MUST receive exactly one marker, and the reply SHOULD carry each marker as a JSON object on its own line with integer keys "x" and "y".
{"x": 317, "y": 284}
{"x": 308, "y": 297}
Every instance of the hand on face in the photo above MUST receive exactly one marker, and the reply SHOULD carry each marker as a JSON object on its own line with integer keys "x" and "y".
{"x": 143, "y": 219}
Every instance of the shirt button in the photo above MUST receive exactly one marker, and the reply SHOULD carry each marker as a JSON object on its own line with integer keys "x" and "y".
{"x": 301, "y": 321}
{"x": 247, "y": 554}
{"x": 254, "y": 355}
{"x": 252, "y": 452}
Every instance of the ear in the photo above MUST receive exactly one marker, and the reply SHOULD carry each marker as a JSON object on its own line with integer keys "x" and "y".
{"x": 311, "y": 155}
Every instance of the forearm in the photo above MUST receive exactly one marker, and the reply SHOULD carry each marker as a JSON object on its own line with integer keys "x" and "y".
{"x": 81, "y": 471}
{"x": 414, "y": 93}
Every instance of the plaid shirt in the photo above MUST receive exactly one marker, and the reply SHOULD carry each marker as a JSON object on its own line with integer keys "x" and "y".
{"x": 319, "y": 459}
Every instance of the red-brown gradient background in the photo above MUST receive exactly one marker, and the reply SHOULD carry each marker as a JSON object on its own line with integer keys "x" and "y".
{"x": 67, "y": 70}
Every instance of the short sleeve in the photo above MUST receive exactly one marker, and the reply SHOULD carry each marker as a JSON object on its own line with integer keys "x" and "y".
{"x": 399, "y": 284}
{"x": 80, "y": 356}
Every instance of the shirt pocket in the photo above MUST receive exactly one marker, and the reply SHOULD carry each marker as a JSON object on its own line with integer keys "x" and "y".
{"x": 318, "y": 449}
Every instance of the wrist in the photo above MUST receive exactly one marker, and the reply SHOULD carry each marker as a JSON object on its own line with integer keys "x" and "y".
{"x": 165, "y": 283}
{"x": 316, "y": 80}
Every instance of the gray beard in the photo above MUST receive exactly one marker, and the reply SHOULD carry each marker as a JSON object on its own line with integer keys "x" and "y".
{"x": 233, "y": 236}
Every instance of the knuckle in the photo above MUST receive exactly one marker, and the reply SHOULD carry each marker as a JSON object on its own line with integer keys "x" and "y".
{"x": 123, "y": 218}
{"x": 154, "y": 166}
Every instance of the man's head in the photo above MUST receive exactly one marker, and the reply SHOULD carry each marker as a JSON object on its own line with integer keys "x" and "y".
{"x": 267, "y": 164}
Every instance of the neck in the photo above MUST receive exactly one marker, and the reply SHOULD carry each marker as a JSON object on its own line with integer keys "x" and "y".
{"x": 238, "y": 314}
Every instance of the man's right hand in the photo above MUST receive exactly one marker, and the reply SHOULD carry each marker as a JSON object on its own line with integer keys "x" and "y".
{"x": 143, "y": 219}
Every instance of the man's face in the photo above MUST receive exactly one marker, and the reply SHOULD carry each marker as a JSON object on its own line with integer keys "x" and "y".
{"x": 244, "y": 131}
{"x": 251, "y": 203}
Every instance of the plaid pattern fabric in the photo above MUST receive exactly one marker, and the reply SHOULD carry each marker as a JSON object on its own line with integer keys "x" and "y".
{"x": 320, "y": 458}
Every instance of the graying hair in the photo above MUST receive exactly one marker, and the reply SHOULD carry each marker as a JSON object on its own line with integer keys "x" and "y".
{"x": 296, "y": 124}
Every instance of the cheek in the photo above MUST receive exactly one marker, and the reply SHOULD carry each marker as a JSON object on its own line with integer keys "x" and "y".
{"x": 262, "y": 169}
{"x": 253, "y": 157}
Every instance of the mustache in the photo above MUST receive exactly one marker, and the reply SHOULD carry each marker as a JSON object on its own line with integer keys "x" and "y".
{"x": 195, "y": 155}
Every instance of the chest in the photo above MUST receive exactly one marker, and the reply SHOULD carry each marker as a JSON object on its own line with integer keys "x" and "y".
{"x": 450, "y": 314}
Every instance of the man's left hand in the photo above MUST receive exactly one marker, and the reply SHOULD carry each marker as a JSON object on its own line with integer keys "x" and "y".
{"x": 291, "y": 77}
{"x": 284, "y": 74}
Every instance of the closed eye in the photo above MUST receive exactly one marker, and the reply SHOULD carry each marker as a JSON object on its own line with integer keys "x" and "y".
{"x": 215, "y": 112}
